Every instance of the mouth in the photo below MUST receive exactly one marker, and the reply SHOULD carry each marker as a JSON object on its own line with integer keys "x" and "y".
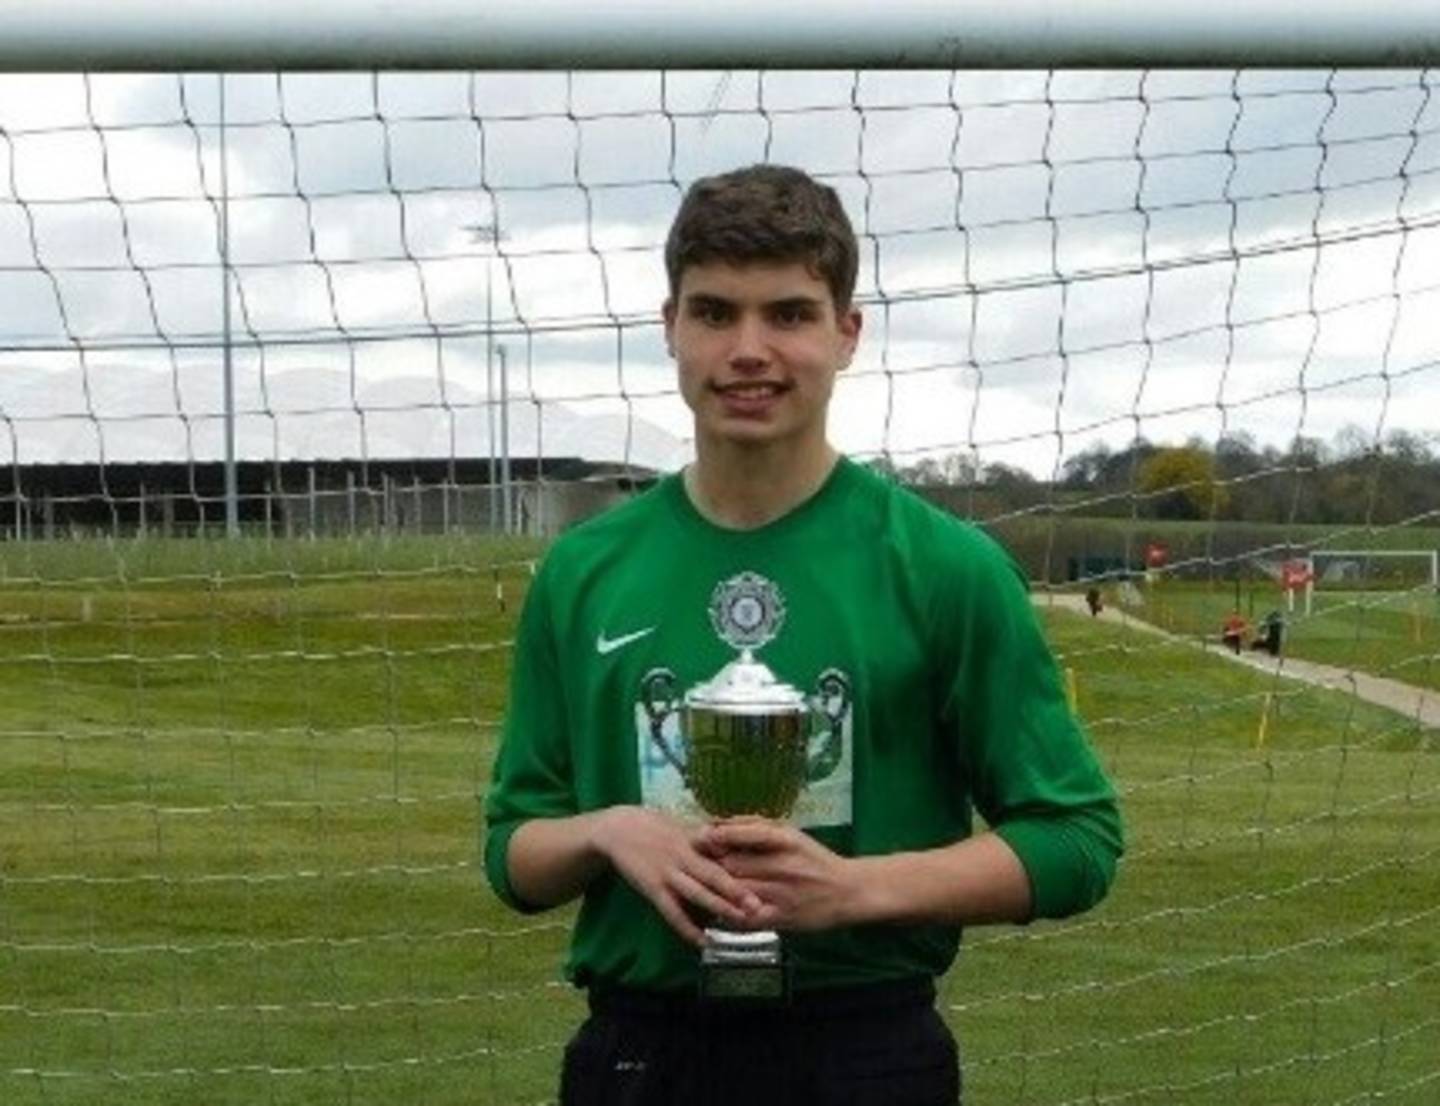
{"x": 751, "y": 391}
{"x": 750, "y": 399}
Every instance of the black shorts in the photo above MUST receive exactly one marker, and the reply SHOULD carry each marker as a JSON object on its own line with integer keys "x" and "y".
{"x": 849, "y": 1047}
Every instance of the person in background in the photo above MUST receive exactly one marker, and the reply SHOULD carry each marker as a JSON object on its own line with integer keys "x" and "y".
{"x": 1094, "y": 601}
{"x": 1272, "y": 633}
{"x": 1233, "y": 631}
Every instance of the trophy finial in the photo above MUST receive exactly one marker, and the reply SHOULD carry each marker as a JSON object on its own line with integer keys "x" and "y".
{"x": 747, "y": 611}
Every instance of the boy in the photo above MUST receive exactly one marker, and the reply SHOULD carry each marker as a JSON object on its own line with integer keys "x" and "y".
{"x": 950, "y": 703}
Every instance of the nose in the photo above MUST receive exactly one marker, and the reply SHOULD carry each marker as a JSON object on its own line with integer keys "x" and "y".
{"x": 750, "y": 346}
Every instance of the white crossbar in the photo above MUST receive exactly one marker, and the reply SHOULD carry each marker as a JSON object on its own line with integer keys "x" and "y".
{"x": 609, "y": 34}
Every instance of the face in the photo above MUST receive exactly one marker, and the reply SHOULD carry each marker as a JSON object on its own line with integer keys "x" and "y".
{"x": 758, "y": 347}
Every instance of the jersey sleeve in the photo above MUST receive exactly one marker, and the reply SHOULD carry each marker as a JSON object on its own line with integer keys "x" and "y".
{"x": 1032, "y": 772}
{"x": 532, "y": 773}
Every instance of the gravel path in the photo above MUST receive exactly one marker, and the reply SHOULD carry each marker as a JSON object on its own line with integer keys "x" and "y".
{"x": 1411, "y": 701}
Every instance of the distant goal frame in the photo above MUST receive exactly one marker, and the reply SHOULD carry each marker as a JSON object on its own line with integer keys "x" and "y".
{"x": 1430, "y": 556}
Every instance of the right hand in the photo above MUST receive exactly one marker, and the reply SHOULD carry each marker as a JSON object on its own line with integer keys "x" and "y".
{"x": 657, "y": 854}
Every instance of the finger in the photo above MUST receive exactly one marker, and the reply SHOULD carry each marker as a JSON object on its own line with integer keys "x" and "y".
{"x": 704, "y": 844}
{"x": 733, "y": 901}
{"x": 769, "y": 916}
{"x": 681, "y": 922}
{"x": 753, "y": 834}
{"x": 775, "y": 906}
{"x": 708, "y": 843}
{"x": 743, "y": 819}
{"x": 751, "y": 867}
{"x": 710, "y": 873}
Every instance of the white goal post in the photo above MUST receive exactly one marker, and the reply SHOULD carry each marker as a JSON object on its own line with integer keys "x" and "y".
{"x": 135, "y": 35}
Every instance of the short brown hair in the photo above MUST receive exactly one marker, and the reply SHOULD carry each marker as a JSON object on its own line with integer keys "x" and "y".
{"x": 765, "y": 213}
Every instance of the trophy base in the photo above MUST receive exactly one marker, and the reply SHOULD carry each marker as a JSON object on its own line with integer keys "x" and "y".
{"x": 743, "y": 967}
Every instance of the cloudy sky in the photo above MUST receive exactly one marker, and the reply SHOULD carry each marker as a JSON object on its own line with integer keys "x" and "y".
{"x": 1048, "y": 259}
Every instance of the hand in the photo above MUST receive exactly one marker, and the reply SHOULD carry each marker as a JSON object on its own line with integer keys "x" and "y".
{"x": 657, "y": 854}
{"x": 800, "y": 883}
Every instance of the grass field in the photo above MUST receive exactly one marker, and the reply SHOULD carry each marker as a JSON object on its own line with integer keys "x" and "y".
{"x": 1045, "y": 541}
{"x": 1390, "y": 633}
{"x": 238, "y": 838}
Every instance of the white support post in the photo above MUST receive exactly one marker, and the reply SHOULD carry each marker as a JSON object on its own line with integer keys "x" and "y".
{"x": 350, "y": 500}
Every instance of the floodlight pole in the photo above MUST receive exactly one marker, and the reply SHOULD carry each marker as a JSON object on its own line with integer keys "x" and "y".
{"x": 490, "y": 383}
{"x": 490, "y": 233}
{"x": 232, "y": 492}
{"x": 505, "y": 486}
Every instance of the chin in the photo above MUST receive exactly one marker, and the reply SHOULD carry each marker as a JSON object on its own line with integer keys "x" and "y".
{"x": 747, "y": 435}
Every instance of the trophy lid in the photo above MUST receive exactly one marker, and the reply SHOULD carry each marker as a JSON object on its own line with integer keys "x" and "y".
{"x": 746, "y": 686}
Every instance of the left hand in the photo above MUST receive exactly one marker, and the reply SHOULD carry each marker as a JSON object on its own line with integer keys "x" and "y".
{"x": 801, "y": 884}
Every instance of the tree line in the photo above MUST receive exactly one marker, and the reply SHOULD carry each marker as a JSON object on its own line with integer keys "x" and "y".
{"x": 1352, "y": 479}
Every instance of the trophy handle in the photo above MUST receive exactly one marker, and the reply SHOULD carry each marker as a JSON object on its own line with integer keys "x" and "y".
{"x": 831, "y": 702}
{"x": 657, "y": 696}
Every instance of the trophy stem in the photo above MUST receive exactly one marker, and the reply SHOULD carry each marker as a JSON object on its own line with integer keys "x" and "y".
{"x": 741, "y": 966}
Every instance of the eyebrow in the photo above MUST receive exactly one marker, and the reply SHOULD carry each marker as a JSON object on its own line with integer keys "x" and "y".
{"x": 706, "y": 299}
{"x": 711, "y": 299}
{"x": 796, "y": 301}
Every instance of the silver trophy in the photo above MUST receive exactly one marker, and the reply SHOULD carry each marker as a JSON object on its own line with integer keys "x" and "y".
{"x": 746, "y": 748}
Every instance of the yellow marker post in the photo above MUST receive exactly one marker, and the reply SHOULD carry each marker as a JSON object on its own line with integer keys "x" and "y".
{"x": 1264, "y": 732}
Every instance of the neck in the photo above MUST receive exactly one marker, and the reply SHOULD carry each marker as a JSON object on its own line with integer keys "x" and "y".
{"x": 744, "y": 489}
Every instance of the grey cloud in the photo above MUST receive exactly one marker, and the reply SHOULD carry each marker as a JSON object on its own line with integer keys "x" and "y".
{"x": 33, "y": 157}
{"x": 87, "y": 234}
{"x": 138, "y": 99}
{"x": 423, "y": 95}
{"x": 592, "y": 93}
{"x": 703, "y": 148}
{"x": 787, "y": 90}
{"x": 891, "y": 89}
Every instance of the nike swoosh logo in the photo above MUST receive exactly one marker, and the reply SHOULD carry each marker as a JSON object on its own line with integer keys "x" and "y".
{"x": 605, "y": 644}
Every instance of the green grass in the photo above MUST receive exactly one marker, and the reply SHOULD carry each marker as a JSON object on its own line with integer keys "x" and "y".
{"x": 1390, "y": 633}
{"x": 238, "y": 845}
{"x": 1265, "y": 905}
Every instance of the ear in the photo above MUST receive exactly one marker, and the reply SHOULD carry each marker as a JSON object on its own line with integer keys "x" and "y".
{"x": 850, "y": 323}
{"x": 667, "y": 313}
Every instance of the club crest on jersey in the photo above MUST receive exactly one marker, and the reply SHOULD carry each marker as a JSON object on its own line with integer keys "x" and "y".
{"x": 747, "y": 611}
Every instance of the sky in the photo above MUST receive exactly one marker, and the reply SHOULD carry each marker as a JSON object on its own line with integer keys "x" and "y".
{"x": 1048, "y": 260}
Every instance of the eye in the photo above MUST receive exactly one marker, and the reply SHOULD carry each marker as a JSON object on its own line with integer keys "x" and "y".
{"x": 792, "y": 314}
{"x": 710, "y": 312}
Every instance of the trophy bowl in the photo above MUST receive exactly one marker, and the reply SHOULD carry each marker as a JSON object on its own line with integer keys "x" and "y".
{"x": 744, "y": 736}
{"x": 746, "y": 757}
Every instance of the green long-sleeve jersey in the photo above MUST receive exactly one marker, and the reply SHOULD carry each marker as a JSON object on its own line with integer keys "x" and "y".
{"x": 914, "y": 635}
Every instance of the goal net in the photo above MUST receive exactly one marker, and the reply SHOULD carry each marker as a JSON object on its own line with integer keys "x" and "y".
{"x": 392, "y": 331}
